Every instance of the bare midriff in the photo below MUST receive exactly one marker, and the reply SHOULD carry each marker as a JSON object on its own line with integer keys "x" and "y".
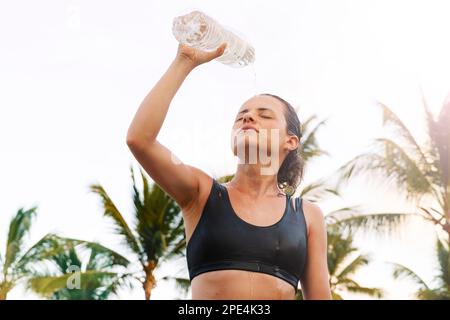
{"x": 240, "y": 285}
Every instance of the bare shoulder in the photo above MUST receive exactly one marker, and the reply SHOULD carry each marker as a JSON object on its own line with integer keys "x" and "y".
{"x": 314, "y": 216}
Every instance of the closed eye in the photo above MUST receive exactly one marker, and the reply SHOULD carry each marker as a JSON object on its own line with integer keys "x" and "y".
{"x": 265, "y": 117}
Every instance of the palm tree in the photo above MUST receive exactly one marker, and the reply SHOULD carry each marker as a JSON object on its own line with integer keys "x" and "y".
{"x": 15, "y": 260}
{"x": 442, "y": 278}
{"x": 420, "y": 172}
{"x": 342, "y": 265}
{"x": 61, "y": 262}
{"x": 157, "y": 232}
{"x": 20, "y": 265}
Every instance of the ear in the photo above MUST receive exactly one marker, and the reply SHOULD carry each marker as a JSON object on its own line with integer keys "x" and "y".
{"x": 292, "y": 142}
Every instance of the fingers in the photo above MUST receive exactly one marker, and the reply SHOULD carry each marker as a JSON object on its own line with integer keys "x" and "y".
{"x": 221, "y": 49}
{"x": 218, "y": 52}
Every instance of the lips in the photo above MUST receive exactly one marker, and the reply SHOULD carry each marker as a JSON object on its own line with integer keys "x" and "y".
{"x": 244, "y": 128}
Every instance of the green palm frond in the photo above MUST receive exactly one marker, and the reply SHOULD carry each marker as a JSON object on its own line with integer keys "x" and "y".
{"x": 402, "y": 132}
{"x": 159, "y": 221}
{"x": 69, "y": 258}
{"x": 401, "y": 271}
{"x": 424, "y": 292}
{"x": 336, "y": 296}
{"x": 404, "y": 170}
{"x": 342, "y": 265}
{"x": 434, "y": 294}
{"x": 360, "y": 164}
{"x": 182, "y": 284}
{"x": 339, "y": 248}
{"x": 158, "y": 232}
{"x": 381, "y": 224}
{"x": 102, "y": 257}
{"x": 443, "y": 255}
{"x": 225, "y": 179}
{"x": 111, "y": 211}
{"x": 47, "y": 247}
{"x": 350, "y": 285}
{"x": 177, "y": 240}
{"x": 354, "y": 265}
{"x": 372, "y": 292}
{"x": 309, "y": 144}
{"x": 19, "y": 227}
{"x": 177, "y": 251}
{"x": 91, "y": 280}
{"x": 318, "y": 191}
{"x": 392, "y": 163}
{"x": 299, "y": 295}
{"x": 147, "y": 215}
{"x": 52, "y": 245}
{"x": 61, "y": 257}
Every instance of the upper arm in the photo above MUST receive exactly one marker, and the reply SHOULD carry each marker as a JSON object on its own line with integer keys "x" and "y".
{"x": 315, "y": 280}
{"x": 177, "y": 179}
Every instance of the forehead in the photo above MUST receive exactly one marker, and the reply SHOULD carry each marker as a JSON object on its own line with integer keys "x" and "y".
{"x": 260, "y": 101}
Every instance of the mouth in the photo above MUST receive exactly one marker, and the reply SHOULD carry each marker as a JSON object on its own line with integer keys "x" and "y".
{"x": 248, "y": 128}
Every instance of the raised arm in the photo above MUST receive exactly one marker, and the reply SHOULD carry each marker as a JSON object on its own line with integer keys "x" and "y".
{"x": 179, "y": 180}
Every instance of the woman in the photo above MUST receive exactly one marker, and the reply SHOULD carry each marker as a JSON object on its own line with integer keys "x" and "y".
{"x": 245, "y": 239}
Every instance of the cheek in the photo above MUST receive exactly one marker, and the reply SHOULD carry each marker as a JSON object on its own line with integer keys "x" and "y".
{"x": 272, "y": 138}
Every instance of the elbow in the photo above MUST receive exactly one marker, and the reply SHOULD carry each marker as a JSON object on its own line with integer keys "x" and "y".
{"x": 133, "y": 137}
{"x": 133, "y": 141}
{"x": 130, "y": 141}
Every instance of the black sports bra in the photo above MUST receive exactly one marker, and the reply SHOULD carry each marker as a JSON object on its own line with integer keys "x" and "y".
{"x": 222, "y": 240}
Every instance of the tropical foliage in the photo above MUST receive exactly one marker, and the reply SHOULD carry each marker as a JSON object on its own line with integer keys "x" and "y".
{"x": 441, "y": 289}
{"x": 156, "y": 233}
{"x": 45, "y": 267}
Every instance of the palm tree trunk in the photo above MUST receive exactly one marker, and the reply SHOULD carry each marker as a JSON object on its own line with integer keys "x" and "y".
{"x": 3, "y": 295}
{"x": 150, "y": 281}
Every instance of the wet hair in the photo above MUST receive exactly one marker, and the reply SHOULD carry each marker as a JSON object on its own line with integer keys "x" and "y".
{"x": 291, "y": 170}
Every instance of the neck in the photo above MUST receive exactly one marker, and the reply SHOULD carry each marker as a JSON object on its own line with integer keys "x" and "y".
{"x": 249, "y": 180}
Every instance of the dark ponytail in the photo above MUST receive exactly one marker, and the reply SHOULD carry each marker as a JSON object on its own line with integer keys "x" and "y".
{"x": 291, "y": 170}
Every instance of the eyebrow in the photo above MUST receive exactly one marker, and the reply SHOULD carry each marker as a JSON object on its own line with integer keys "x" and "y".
{"x": 259, "y": 109}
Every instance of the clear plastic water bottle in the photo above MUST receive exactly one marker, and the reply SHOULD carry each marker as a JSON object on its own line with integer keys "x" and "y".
{"x": 200, "y": 31}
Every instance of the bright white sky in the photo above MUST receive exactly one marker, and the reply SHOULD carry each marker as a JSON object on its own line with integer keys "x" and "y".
{"x": 72, "y": 74}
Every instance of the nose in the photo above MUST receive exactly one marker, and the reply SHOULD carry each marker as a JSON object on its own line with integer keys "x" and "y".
{"x": 247, "y": 117}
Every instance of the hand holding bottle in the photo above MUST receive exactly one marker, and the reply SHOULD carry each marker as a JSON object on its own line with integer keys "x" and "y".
{"x": 195, "y": 57}
{"x": 198, "y": 30}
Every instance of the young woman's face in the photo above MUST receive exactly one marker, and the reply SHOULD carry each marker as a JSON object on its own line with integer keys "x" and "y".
{"x": 260, "y": 127}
